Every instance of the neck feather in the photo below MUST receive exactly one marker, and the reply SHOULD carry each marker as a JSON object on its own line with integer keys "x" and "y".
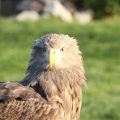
{"x": 51, "y": 82}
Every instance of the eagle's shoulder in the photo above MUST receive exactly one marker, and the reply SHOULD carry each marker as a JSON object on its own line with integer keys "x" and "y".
{"x": 14, "y": 90}
{"x": 18, "y": 102}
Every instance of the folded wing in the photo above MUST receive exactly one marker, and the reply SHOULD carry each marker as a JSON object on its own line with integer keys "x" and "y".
{"x": 18, "y": 102}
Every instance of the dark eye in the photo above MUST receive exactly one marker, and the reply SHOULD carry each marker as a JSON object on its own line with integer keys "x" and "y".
{"x": 62, "y": 49}
{"x": 43, "y": 49}
{"x": 40, "y": 49}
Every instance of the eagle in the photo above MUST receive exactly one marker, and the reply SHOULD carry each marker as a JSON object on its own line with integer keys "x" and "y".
{"x": 51, "y": 88}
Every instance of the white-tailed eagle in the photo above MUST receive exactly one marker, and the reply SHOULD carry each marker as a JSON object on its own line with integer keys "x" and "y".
{"x": 51, "y": 89}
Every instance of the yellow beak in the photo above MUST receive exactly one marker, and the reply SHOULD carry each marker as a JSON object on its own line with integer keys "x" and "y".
{"x": 52, "y": 58}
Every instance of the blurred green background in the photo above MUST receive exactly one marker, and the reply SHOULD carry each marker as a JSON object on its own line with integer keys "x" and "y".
{"x": 100, "y": 45}
{"x": 103, "y": 8}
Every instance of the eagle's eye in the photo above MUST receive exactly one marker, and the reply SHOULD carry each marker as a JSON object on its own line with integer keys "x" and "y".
{"x": 40, "y": 49}
{"x": 43, "y": 49}
{"x": 62, "y": 49}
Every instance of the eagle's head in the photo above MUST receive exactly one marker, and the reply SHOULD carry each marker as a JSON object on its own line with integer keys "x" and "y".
{"x": 55, "y": 51}
{"x": 55, "y": 56}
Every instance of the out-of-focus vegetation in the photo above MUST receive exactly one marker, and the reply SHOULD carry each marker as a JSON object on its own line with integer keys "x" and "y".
{"x": 104, "y": 7}
{"x": 101, "y": 8}
{"x": 100, "y": 44}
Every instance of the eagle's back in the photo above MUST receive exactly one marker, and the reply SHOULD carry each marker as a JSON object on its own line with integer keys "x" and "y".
{"x": 29, "y": 110}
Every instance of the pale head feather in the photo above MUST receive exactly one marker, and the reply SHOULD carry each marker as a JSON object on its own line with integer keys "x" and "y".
{"x": 70, "y": 69}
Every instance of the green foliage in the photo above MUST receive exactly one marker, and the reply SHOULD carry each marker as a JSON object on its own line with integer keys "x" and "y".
{"x": 104, "y": 7}
{"x": 100, "y": 44}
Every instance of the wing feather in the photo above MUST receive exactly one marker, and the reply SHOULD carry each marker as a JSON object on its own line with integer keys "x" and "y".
{"x": 19, "y": 102}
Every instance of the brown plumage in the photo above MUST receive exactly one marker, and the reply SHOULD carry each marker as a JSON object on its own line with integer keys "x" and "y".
{"x": 51, "y": 89}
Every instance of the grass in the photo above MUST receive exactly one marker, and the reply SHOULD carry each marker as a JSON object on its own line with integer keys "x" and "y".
{"x": 100, "y": 44}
